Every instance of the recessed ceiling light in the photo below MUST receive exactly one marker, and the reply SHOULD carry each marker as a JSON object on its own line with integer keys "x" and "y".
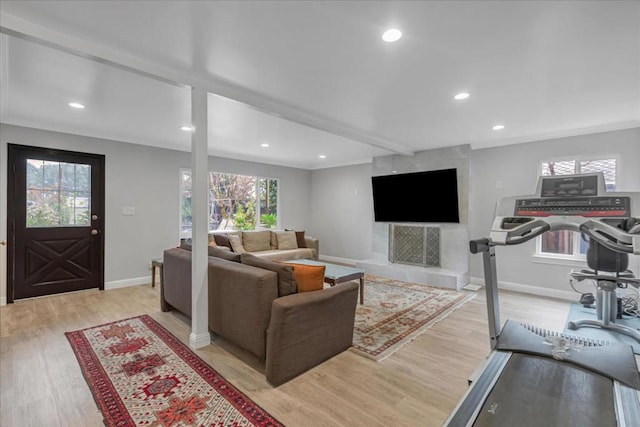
{"x": 264, "y": 144}
{"x": 186, "y": 128}
{"x": 391, "y": 35}
{"x": 76, "y": 105}
{"x": 461, "y": 96}
{"x": 394, "y": 171}
{"x": 322, "y": 156}
{"x": 498, "y": 127}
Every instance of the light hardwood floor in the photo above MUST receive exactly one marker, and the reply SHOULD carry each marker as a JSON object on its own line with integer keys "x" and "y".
{"x": 41, "y": 383}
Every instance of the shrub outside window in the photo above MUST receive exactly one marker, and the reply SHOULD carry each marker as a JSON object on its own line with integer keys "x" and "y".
{"x": 565, "y": 243}
{"x": 236, "y": 202}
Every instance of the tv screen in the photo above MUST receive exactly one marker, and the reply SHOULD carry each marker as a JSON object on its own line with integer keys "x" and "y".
{"x": 430, "y": 196}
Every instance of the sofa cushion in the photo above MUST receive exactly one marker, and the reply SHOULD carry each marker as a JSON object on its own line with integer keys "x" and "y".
{"x": 224, "y": 253}
{"x": 236, "y": 244}
{"x": 222, "y": 240}
{"x": 286, "y": 254}
{"x": 286, "y": 279}
{"x": 287, "y": 240}
{"x": 255, "y": 241}
{"x": 299, "y": 238}
{"x": 308, "y": 277}
{"x": 212, "y": 239}
{"x": 274, "y": 239}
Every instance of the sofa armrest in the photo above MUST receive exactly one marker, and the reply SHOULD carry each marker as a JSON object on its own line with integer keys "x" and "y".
{"x": 176, "y": 280}
{"x": 313, "y": 243}
{"x": 240, "y": 298}
{"x": 308, "y": 328}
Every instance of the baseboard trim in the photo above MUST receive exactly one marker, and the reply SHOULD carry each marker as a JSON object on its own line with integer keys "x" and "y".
{"x": 533, "y": 290}
{"x": 115, "y": 284}
{"x": 199, "y": 340}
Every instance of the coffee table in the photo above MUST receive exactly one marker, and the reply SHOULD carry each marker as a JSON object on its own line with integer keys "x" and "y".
{"x": 334, "y": 274}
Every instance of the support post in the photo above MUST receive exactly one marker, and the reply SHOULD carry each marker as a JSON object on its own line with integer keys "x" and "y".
{"x": 490, "y": 285}
{"x": 199, "y": 336}
{"x": 491, "y": 290}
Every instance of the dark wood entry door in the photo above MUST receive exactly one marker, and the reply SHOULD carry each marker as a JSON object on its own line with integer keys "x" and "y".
{"x": 55, "y": 220}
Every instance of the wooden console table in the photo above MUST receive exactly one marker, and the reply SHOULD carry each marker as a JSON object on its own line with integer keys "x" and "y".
{"x": 156, "y": 263}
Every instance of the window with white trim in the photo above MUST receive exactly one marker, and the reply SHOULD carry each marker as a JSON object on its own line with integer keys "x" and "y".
{"x": 565, "y": 243}
{"x": 236, "y": 202}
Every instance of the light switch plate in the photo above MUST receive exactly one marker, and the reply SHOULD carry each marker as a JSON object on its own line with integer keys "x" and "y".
{"x": 128, "y": 210}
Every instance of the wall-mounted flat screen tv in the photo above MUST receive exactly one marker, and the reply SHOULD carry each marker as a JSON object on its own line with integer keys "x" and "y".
{"x": 430, "y": 196}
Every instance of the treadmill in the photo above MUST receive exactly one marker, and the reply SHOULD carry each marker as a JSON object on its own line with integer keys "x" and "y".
{"x": 537, "y": 377}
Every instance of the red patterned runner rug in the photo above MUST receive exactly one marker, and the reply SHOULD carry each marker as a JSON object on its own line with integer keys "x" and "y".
{"x": 396, "y": 312}
{"x": 141, "y": 375}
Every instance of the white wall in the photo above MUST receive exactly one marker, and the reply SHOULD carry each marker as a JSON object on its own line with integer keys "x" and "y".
{"x": 342, "y": 211}
{"x": 148, "y": 179}
{"x": 513, "y": 170}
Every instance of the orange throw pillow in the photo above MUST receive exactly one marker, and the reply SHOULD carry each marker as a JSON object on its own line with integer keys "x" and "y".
{"x": 308, "y": 277}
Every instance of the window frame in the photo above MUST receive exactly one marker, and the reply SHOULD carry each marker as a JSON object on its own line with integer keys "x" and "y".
{"x": 257, "y": 178}
{"x": 576, "y": 258}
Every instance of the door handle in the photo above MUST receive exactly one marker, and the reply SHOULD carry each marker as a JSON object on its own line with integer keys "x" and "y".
{"x": 94, "y": 232}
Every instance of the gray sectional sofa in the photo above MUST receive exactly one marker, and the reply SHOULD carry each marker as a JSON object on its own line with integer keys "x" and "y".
{"x": 254, "y": 304}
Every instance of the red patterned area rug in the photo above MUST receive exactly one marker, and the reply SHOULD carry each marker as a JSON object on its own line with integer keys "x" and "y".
{"x": 141, "y": 375}
{"x": 396, "y": 312}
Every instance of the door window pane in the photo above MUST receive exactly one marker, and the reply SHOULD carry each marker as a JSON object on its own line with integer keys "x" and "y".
{"x": 58, "y": 194}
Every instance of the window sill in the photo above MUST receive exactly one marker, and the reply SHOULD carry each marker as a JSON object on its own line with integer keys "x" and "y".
{"x": 547, "y": 259}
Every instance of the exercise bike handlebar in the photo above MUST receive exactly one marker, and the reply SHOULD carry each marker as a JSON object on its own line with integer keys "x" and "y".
{"x": 537, "y": 228}
{"x": 518, "y": 234}
{"x": 608, "y": 236}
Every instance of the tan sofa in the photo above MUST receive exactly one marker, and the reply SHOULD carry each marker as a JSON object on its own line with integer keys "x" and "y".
{"x": 277, "y": 245}
{"x": 252, "y": 304}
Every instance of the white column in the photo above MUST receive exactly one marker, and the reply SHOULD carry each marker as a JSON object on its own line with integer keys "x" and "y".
{"x": 200, "y": 223}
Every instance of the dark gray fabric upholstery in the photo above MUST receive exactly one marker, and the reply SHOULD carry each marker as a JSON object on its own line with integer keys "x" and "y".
{"x": 292, "y": 333}
{"x": 286, "y": 279}
{"x": 308, "y": 328}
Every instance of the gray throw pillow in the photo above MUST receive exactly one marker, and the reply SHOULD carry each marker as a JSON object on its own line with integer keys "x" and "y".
{"x": 286, "y": 280}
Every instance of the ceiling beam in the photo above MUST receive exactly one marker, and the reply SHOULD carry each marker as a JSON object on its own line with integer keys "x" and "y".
{"x": 27, "y": 30}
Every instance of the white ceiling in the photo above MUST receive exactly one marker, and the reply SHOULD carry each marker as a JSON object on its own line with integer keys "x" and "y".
{"x": 318, "y": 76}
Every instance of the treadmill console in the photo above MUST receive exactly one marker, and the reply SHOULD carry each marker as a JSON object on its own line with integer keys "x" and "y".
{"x": 571, "y": 202}
{"x": 582, "y": 206}
{"x": 573, "y": 195}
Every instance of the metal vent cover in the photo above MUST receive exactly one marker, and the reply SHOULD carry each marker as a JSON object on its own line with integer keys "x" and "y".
{"x": 414, "y": 245}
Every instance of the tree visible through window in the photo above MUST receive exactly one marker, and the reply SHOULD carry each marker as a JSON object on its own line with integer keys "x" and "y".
{"x": 567, "y": 243}
{"x": 236, "y": 202}
{"x": 58, "y": 194}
